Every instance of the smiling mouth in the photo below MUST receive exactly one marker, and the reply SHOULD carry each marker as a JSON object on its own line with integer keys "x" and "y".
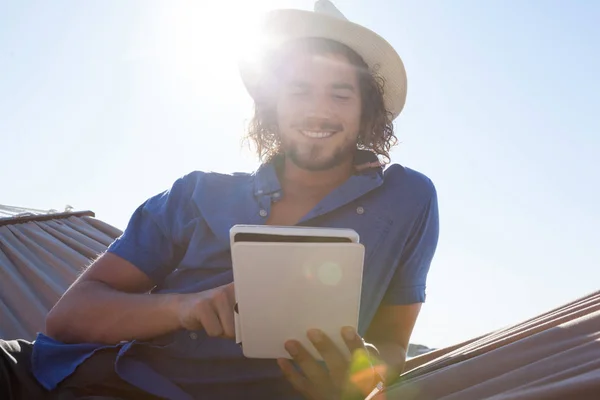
{"x": 317, "y": 134}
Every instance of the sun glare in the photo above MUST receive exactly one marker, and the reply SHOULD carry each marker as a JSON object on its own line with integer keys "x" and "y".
{"x": 202, "y": 44}
{"x": 209, "y": 38}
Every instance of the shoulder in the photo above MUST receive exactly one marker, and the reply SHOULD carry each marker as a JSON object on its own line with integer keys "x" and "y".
{"x": 203, "y": 177}
{"x": 401, "y": 180}
{"x": 202, "y": 181}
{"x": 194, "y": 197}
{"x": 412, "y": 203}
{"x": 209, "y": 192}
{"x": 186, "y": 190}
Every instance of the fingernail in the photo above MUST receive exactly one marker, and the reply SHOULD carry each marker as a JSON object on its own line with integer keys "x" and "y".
{"x": 348, "y": 333}
{"x": 292, "y": 348}
{"x": 315, "y": 335}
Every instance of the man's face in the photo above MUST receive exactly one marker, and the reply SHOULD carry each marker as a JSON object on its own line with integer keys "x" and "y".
{"x": 318, "y": 110}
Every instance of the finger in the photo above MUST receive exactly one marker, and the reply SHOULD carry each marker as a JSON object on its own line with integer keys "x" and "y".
{"x": 224, "y": 308}
{"x": 362, "y": 374}
{"x": 336, "y": 361}
{"x": 230, "y": 290}
{"x": 313, "y": 371}
{"x": 299, "y": 382}
{"x": 209, "y": 319}
{"x": 353, "y": 341}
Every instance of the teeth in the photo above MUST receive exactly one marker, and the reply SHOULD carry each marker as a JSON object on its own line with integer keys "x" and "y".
{"x": 316, "y": 134}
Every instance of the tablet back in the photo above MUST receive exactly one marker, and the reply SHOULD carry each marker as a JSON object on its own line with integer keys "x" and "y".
{"x": 285, "y": 289}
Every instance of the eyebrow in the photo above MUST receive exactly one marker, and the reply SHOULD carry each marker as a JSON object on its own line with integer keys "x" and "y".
{"x": 343, "y": 86}
{"x": 299, "y": 84}
{"x": 335, "y": 86}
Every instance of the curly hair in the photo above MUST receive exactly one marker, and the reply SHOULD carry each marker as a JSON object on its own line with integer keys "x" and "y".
{"x": 376, "y": 127}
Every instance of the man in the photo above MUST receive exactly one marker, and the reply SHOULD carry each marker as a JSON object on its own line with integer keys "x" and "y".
{"x": 153, "y": 316}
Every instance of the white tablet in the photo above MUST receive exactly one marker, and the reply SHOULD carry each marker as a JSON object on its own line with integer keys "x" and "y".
{"x": 304, "y": 278}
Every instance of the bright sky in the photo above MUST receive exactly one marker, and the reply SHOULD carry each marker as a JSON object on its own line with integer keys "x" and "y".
{"x": 103, "y": 104}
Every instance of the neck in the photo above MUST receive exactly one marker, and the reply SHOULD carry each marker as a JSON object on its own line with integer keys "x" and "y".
{"x": 295, "y": 177}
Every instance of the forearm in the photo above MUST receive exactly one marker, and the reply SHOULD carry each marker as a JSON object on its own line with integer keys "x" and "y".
{"x": 93, "y": 312}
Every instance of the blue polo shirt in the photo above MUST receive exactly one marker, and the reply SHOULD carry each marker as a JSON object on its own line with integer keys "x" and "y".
{"x": 180, "y": 239}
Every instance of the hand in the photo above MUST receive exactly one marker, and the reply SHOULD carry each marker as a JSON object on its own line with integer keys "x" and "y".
{"x": 342, "y": 378}
{"x": 211, "y": 310}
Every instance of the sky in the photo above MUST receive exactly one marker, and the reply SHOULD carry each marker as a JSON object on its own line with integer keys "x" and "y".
{"x": 105, "y": 103}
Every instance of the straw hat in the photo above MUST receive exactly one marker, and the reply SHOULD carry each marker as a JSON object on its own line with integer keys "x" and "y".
{"x": 279, "y": 26}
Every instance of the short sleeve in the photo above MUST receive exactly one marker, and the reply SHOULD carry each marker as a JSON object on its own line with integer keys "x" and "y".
{"x": 409, "y": 280}
{"x": 152, "y": 240}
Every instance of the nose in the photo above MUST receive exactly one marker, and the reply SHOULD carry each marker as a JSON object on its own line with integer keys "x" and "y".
{"x": 319, "y": 105}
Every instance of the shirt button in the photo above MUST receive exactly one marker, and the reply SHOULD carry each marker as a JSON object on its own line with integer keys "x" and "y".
{"x": 263, "y": 213}
{"x": 276, "y": 194}
{"x": 193, "y": 335}
{"x": 360, "y": 210}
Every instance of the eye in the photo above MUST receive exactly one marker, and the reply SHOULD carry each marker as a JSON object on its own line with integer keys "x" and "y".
{"x": 298, "y": 93}
{"x": 341, "y": 97}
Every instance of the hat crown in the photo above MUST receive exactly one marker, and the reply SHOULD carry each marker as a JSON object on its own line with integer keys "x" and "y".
{"x": 326, "y": 21}
{"x": 326, "y": 7}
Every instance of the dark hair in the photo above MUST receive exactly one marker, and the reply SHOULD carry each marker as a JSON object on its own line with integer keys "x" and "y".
{"x": 376, "y": 131}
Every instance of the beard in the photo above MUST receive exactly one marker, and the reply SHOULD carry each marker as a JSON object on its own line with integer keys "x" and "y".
{"x": 317, "y": 157}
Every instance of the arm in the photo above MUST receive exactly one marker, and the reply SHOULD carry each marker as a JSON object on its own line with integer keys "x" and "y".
{"x": 109, "y": 303}
{"x": 390, "y": 333}
{"x": 395, "y": 319}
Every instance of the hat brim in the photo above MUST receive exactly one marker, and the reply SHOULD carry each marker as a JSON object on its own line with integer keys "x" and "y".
{"x": 280, "y": 26}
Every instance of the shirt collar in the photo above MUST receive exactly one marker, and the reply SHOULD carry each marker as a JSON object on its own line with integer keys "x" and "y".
{"x": 266, "y": 181}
